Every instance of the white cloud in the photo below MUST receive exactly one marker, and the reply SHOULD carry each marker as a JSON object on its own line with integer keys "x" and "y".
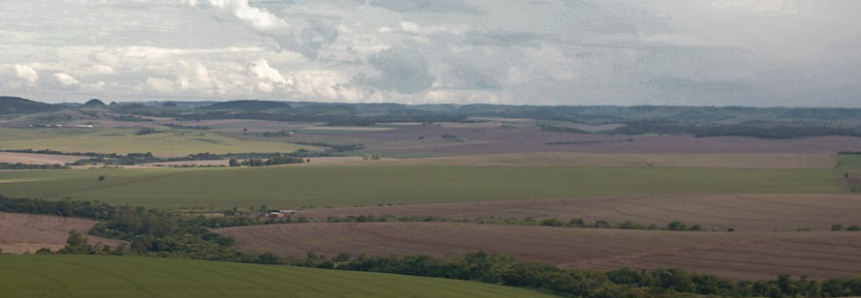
{"x": 65, "y": 79}
{"x": 262, "y": 70}
{"x": 26, "y": 73}
{"x": 762, "y": 6}
{"x": 543, "y": 52}
{"x": 324, "y": 85}
{"x": 160, "y": 85}
{"x": 159, "y": 52}
{"x": 265, "y": 87}
{"x": 258, "y": 18}
{"x": 194, "y": 76}
{"x": 99, "y": 69}
{"x": 97, "y": 87}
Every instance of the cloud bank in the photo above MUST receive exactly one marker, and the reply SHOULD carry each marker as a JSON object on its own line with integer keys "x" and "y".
{"x": 544, "y": 52}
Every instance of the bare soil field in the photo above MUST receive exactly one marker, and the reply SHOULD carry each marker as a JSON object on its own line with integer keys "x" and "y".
{"x": 719, "y": 212}
{"x": 41, "y": 159}
{"x": 739, "y": 255}
{"x": 739, "y": 161}
{"x": 27, "y": 233}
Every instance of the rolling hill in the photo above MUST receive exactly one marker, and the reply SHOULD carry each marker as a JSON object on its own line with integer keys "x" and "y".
{"x": 89, "y": 276}
{"x": 249, "y": 105}
{"x": 17, "y": 105}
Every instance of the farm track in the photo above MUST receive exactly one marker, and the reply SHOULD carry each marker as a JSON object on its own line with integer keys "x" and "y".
{"x": 767, "y": 212}
{"x": 739, "y": 255}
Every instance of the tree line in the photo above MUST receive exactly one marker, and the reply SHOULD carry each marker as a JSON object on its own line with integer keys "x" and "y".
{"x": 275, "y": 160}
{"x": 548, "y": 222}
{"x": 159, "y": 233}
{"x": 25, "y": 166}
{"x": 762, "y": 130}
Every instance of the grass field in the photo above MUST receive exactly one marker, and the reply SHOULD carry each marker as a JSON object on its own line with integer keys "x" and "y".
{"x": 369, "y": 186}
{"x": 123, "y": 141}
{"x": 83, "y": 276}
{"x": 848, "y": 161}
{"x": 762, "y": 212}
{"x": 737, "y": 161}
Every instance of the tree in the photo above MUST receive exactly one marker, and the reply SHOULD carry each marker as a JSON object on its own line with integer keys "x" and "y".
{"x": 77, "y": 244}
{"x": 677, "y": 226}
{"x": 234, "y": 162}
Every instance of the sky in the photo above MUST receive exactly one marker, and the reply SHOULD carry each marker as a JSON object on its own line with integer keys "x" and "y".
{"x": 523, "y": 52}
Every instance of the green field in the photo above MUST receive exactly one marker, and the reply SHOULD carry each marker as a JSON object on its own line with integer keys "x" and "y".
{"x": 850, "y": 162}
{"x": 124, "y": 141}
{"x": 294, "y": 187}
{"x": 86, "y": 276}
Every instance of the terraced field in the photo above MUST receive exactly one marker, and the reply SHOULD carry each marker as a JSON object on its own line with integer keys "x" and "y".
{"x": 123, "y": 141}
{"x": 335, "y": 186}
{"x": 738, "y": 255}
{"x": 83, "y": 276}
{"x": 762, "y": 212}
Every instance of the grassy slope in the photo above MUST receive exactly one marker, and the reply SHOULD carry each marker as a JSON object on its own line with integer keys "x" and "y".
{"x": 348, "y": 186}
{"x": 850, "y": 162}
{"x": 86, "y": 276}
{"x": 171, "y": 143}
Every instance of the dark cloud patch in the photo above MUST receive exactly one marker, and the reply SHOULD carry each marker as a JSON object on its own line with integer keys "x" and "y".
{"x": 432, "y": 6}
{"x": 505, "y": 38}
{"x": 316, "y": 36}
{"x": 403, "y": 70}
{"x": 474, "y": 78}
{"x": 578, "y": 4}
{"x": 684, "y": 91}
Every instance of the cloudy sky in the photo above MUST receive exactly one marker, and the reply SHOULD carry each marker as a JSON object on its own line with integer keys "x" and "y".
{"x": 572, "y": 52}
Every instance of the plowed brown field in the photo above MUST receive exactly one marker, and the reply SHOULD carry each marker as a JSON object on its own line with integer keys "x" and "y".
{"x": 31, "y": 158}
{"x": 26, "y": 233}
{"x": 739, "y": 255}
{"x": 741, "y": 212}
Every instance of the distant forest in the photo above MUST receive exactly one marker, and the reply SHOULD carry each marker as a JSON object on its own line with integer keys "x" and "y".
{"x": 776, "y": 123}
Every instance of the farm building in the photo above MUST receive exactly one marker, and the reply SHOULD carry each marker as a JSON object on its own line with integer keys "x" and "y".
{"x": 280, "y": 213}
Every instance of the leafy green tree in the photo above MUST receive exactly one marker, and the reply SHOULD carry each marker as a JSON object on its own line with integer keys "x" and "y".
{"x": 677, "y": 226}
{"x": 77, "y": 244}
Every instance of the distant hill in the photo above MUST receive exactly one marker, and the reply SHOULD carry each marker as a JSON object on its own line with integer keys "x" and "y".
{"x": 249, "y": 105}
{"x": 95, "y": 102}
{"x": 17, "y": 105}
